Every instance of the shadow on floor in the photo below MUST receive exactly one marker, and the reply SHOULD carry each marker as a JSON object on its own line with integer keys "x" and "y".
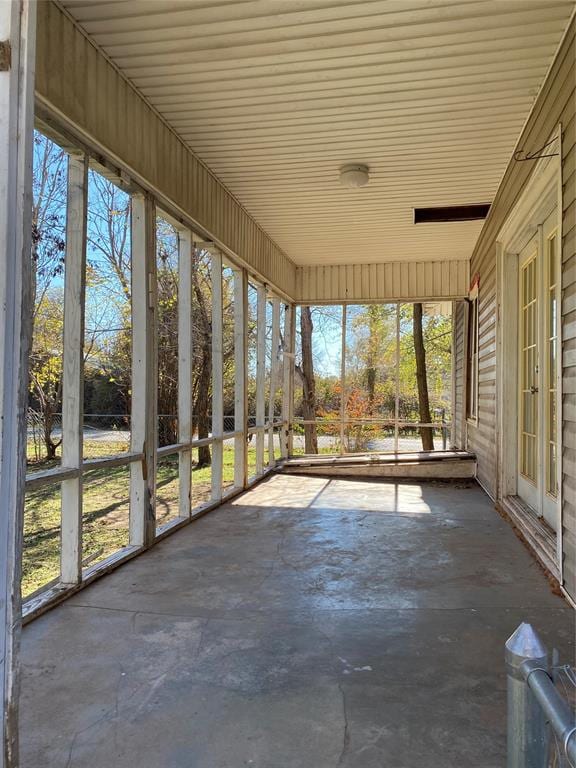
{"x": 310, "y": 623}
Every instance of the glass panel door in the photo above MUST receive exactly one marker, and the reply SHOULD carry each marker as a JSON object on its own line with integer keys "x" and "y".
{"x": 538, "y": 272}
{"x": 528, "y": 375}
{"x": 551, "y": 272}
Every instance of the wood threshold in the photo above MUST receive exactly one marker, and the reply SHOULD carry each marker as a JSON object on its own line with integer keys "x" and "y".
{"x": 539, "y": 536}
{"x": 378, "y": 458}
{"x": 436, "y": 465}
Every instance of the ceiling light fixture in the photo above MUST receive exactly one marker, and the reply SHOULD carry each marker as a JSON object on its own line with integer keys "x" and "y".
{"x": 354, "y": 175}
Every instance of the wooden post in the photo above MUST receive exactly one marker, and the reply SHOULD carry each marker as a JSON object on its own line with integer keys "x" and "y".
{"x": 274, "y": 370}
{"x": 453, "y": 382}
{"x": 343, "y": 383}
{"x": 287, "y": 381}
{"x": 240, "y": 377}
{"x": 217, "y": 377}
{"x": 185, "y": 250}
{"x": 260, "y": 377}
{"x": 291, "y": 382}
{"x": 144, "y": 423}
{"x": 73, "y": 368}
{"x": 397, "y": 385}
{"x": 465, "y": 394}
{"x": 17, "y": 27}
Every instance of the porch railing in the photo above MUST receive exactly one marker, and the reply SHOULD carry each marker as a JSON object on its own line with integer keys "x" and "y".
{"x": 541, "y": 722}
{"x": 371, "y": 435}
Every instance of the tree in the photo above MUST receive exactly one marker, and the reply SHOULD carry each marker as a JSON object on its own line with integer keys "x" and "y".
{"x": 426, "y": 433}
{"x": 372, "y": 374}
{"x": 167, "y": 331}
{"x": 372, "y": 357}
{"x": 109, "y": 236}
{"x": 48, "y": 250}
{"x": 108, "y": 303}
{"x": 45, "y": 369}
{"x": 48, "y": 215}
{"x": 202, "y": 353}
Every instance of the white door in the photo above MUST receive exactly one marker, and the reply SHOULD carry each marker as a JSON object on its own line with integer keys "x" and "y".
{"x": 528, "y": 410}
{"x": 538, "y": 271}
{"x": 551, "y": 267}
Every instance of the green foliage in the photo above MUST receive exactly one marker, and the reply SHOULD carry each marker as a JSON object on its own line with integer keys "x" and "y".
{"x": 371, "y": 364}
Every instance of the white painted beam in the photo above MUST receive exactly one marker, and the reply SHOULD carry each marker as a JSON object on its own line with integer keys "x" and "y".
{"x": 287, "y": 380}
{"x": 260, "y": 377}
{"x": 240, "y": 376}
{"x": 453, "y": 378}
{"x": 17, "y": 29}
{"x": 73, "y": 368}
{"x": 144, "y": 426}
{"x": 217, "y": 376}
{"x": 343, "y": 396}
{"x": 185, "y": 252}
{"x": 397, "y": 381}
{"x": 274, "y": 373}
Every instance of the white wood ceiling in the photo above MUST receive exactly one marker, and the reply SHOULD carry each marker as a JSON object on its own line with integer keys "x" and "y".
{"x": 276, "y": 95}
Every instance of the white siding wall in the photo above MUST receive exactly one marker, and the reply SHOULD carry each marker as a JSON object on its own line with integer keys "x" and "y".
{"x": 382, "y": 282}
{"x": 555, "y": 104}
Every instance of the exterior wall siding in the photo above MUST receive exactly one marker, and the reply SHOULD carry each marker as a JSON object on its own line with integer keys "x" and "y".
{"x": 555, "y": 104}
{"x": 116, "y": 118}
{"x": 382, "y": 282}
{"x": 569, "y": 348}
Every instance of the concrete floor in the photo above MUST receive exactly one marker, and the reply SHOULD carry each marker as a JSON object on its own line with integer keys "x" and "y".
{"x": 309, "y": 624}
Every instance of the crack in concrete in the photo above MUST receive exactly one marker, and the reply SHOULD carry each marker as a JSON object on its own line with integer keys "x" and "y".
{"x": 346, "y": 734}
{"x": 203, "y": 629}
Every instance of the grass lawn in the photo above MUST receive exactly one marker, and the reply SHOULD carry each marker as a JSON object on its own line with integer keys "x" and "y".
{"x": 105, "y": 509}
{"x": 93, "y": 449}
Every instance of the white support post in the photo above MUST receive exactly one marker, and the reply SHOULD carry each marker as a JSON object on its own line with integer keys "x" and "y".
{"x": 217, "y": 377}
{"x": 274, "y": 372}
{"x": 397, "y": 393}
{"x": 291, "y": 382}
{"x": 465, "y": 374}
{"x": 343, "y": 383}
{"x": 260, "y": 377}
{"x": 185, "y": 252}
{"x": 144, "y": 426}
{"x": 453, "y": 382}
{"x": 73, "y": 368}
{"x": 287, "y": 380}
{"x": 17, "y": 36}
{"x": 240, "y": 377}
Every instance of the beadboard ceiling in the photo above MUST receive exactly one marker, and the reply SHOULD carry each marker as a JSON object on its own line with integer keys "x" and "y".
{"x": 276, "y": 95}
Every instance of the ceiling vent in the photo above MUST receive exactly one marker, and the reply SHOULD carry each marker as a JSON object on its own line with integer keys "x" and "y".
{"x": 451, "y": 213}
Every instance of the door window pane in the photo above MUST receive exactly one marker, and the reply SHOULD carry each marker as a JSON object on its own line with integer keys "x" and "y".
{"x": 529, "y": 370}
{"x": 552, "y": 370}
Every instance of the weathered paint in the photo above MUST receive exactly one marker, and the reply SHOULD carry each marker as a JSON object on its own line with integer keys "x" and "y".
{"x": 17, "y": 25}
{"x": 556, "y": 103}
